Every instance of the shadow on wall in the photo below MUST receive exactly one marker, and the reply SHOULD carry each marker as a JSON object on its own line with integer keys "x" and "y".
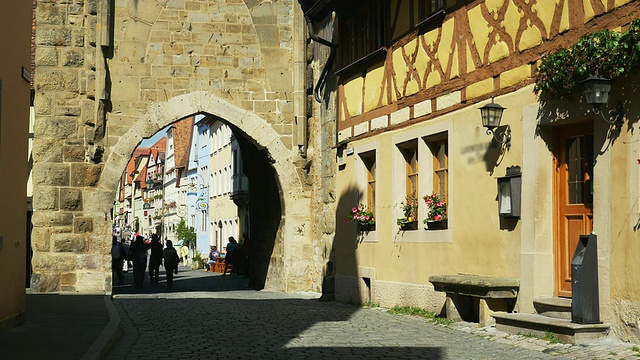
{"x": 342, "y": 268}
{"x": 265, "y": 209}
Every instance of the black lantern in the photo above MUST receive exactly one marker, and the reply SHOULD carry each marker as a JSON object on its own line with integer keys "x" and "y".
{"x": 491, "y": 116}
{"x": 149, "y": 183}
{"x": 596, "y": 90}
{"x": 509, "y": 193}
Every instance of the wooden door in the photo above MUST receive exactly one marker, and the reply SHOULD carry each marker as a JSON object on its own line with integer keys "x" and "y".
{"x": 574, "y": 197}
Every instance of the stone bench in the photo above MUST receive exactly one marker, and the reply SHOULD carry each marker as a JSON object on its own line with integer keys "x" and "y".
{"x": 475, "y": 298}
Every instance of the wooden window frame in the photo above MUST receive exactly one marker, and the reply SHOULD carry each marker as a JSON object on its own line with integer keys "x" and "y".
{"x": 369, "y": 161}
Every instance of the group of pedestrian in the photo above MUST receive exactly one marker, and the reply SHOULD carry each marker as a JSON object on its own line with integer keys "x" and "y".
{"x": 137, "y": 254}
{"x": 237, "y": 257}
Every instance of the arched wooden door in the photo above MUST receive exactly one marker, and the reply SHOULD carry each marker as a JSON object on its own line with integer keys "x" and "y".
{"x": 573, "y": 195}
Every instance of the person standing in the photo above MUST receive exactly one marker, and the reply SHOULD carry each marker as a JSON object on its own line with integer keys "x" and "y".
{"x": 139, "y": 258}
{"x": 155, "y": 259}
{"x": 230, "y": 261}
{"x": 118, "y": 255}
{"x": 171, "y": 260}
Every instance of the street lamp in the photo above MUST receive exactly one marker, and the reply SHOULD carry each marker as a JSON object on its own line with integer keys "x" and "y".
{"x": 596, "y": 92}
{"x": 149, "y": 183}
{"x": 491, "y": 115}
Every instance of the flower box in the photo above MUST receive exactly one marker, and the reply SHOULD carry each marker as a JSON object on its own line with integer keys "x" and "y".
{"x": 410, "y": 225}
{"x": 366, "y": 227}
{"x": 437, "y": 225}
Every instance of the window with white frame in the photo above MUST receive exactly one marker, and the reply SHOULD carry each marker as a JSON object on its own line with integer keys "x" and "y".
{"x": 369, "y": 196}
{"x": 409, "y": 151}
{"x": 440, "y": 153}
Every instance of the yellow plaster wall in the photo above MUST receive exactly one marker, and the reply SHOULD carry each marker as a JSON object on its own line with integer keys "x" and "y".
{"x": 531, "y": 37}
{"x": 473, "y": 214}
{"x": 353, "y": 92}
{"x": 480, "y": 88}
{"x": 511, "y": 21}
{"x": 514, "y": 76}
{"x": 373, "y": 88}
{"x": 446, "y": 41}
{"x": 15, "y": 27}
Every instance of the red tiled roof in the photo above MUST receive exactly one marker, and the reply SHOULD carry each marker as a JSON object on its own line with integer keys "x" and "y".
{"x": 182, "y": 132}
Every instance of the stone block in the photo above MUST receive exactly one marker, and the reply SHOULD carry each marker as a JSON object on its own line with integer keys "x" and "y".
{"x": 56, "y": 80}
{"x": 75, "y": 243}
{"x": 40, "y": 237}
{"x": 70, "y": 199}
{"x": 51, "y": 174}
{"x": 72, "y": 57}
{"x": 42, "y": 104}
{"x": 68, "y": 279}
{"x": 47, "y": 150}
{"x": 53, "y": 36}
{"x": 45, "y": 282}
{"x": 51, "y": 14}
{"x": 268, "y": 36}
{"x": 92, "y": 262}
{"x": 73, "y": 153}
{"x": 51, "y": 218}
{"x": 45, "y": 198}
{"x": 85, "y": 174}
{"x": 60, "y": 127}
{"x": 46, "y": 56}
{"x": 53, "y": 262}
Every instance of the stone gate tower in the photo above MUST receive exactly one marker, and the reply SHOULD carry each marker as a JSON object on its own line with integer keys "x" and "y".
{"x": 112, "y": 72}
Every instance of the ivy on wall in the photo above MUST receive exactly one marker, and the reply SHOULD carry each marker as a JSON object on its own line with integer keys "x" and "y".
{"x": 608, "y": 53}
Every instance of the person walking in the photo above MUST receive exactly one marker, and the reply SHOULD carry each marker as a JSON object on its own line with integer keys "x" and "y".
{"x": 171, "y": 260}
{"x": 139, "y": 258}
{"x": 184, "y": 254}
{"x": 155, "y": 259}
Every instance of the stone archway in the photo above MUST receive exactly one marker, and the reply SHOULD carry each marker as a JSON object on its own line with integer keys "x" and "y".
{"x": 127, "y": 69}
{"x": 291, "y": 193}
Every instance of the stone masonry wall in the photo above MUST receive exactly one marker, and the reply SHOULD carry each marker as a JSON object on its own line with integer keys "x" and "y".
{"x": 111, "y": 73}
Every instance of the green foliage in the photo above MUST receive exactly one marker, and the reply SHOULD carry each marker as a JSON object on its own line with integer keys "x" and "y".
{"x": 551, "y": 337}
{"x": 409, "y": 209}
{"x": 635, "y": 348}
{"x": 607, "y": 53}
{"x": 410, "y": 310}
{"x": 186, "y": 234}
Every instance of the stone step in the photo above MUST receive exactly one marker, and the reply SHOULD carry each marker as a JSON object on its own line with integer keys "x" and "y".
{"x": 555, "y": 307}
{"x": 539, "y": 325}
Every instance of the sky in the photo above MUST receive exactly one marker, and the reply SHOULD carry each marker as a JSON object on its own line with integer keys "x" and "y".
{"x": 154, "y": 139}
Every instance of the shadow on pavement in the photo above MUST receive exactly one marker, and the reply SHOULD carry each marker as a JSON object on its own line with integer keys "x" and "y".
{"x": 187, "y": 280}
{"x": 227, "y": 320}
{"x": 229, "y": 326}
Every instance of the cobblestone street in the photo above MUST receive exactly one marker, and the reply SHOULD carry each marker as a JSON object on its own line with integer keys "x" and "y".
{"x": 207, "y": 316}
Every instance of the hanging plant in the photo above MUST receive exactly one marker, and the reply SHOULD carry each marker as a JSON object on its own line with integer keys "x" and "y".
{"x": 607, "y": 53}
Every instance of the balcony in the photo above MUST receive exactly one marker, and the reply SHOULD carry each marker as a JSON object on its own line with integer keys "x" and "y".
{"x": 240, "y": 188}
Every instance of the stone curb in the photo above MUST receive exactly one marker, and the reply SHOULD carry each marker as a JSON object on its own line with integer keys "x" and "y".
{"x": 109, "y": 335}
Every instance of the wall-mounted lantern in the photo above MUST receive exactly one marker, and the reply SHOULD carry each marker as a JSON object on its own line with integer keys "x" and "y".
{"x": 509, "y": 192}
{"x": 149, "y": 183}
{"x": 491, "y": 116}
{"x": 596, "y": 92}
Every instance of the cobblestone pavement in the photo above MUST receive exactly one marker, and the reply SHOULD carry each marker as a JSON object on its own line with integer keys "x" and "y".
{"x": 207, "y": 316}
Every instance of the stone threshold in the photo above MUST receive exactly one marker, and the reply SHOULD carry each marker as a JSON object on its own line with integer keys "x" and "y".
{"x": 539, "y": 325}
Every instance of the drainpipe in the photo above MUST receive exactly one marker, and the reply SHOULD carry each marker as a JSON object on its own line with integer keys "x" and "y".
{"x": 325, "y": 70}
{"x": 299, "y": 81}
